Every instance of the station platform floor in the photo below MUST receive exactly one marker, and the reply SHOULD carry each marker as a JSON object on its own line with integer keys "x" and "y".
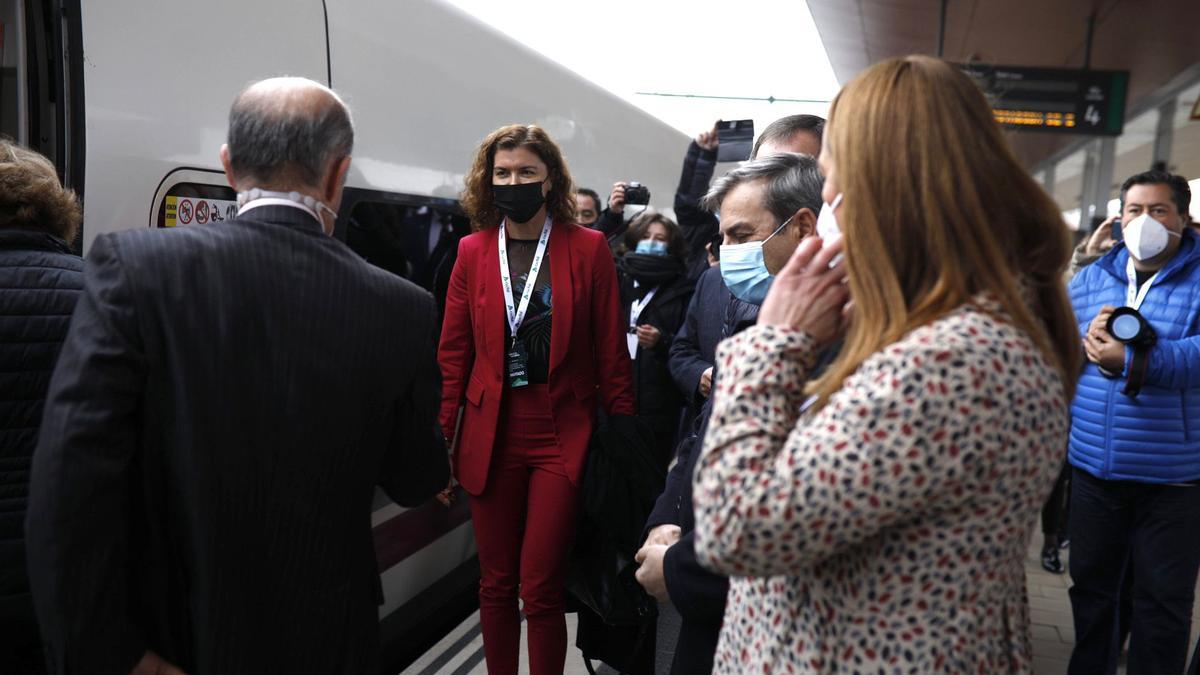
{"x": 461, "y": 651}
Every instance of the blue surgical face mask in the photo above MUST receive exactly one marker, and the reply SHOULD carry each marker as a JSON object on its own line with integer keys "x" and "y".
{"x": 651, "y": 247}
{"x": 744, "y": 269}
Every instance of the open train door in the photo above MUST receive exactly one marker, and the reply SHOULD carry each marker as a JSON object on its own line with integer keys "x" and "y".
{"x": 41, "y": 82}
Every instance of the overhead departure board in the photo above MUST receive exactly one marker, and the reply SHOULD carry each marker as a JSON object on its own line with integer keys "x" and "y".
{"x": 1054, "y": 99}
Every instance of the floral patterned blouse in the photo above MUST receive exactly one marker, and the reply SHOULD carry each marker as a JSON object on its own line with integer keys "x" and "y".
{"x": 885, "y": 532}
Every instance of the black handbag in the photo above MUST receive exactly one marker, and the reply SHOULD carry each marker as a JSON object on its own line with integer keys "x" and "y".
{"x": 621, "y": 481}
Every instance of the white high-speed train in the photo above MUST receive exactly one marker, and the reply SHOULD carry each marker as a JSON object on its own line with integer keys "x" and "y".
{"x": 130, "y": 99}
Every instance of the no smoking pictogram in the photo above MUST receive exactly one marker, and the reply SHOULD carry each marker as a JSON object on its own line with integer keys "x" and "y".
{"x": 185, "y": 211}
{"x": 201, "y": 213}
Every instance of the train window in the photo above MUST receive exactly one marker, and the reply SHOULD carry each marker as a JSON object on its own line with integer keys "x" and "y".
{"x": 196, "y": 204}
{"x": 41, "y": 86}
{"x": 417, "y": 241}
{"x": 12, "y": 71}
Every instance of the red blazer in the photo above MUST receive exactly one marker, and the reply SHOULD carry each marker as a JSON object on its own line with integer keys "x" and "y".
{"x": 588, "y": 355}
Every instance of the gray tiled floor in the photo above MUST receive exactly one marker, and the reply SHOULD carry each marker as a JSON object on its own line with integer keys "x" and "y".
{"x": 1050, "y": 611}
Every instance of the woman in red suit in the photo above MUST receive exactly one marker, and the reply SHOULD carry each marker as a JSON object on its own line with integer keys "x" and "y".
{"x": 532, "y": 339}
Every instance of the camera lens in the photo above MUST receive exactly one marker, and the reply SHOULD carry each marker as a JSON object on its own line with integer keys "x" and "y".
{"x": 1126, "y": 327}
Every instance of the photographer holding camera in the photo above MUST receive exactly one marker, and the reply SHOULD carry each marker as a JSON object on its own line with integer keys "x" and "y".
{"x": 1134, "y": 454}
{"x": 612, "y": 221}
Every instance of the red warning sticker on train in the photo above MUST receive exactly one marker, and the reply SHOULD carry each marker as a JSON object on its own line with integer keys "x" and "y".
{"x": 185, "y": 211}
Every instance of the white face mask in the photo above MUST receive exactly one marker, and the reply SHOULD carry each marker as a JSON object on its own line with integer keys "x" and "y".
{"x": 1145, "y": 237}
{"x": 827, "y": 226}
{"x": 314, "y": 206}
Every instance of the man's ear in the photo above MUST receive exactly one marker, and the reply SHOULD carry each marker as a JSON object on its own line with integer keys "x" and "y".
{"x": 804, "y": 223}
{"x": 228, "y": 166}
{"x": 332, "y": 190}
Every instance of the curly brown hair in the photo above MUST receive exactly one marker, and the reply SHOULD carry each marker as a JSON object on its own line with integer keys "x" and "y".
{"x": 477, "y": 194}
{"x": 30, "y": 195}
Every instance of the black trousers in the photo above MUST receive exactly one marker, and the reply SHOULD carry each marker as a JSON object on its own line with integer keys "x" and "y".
{"x": 1056, "y": 508}
{"x": 20, "y": 646}
{"x": 1151, "y": 528}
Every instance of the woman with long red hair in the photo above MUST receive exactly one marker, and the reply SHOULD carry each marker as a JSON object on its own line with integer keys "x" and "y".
{"x": 532, "y": 340}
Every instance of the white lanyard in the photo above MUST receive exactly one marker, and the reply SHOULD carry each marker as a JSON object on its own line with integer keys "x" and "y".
{"x": 516, "y": 314}
{"x": 635, "y": 312}
{"x": 1134, "y": 296}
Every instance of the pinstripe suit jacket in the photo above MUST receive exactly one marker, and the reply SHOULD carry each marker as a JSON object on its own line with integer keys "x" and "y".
{"x": 227, "y": 398}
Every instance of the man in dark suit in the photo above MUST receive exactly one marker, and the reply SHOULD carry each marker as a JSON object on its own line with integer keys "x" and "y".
{"x": 695, "y": 346}
{"x": 771, "y": 203}
{"x": 226, "y": 400}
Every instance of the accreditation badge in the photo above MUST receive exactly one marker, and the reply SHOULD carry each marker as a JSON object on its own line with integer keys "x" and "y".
{"x": 518, "y": 365}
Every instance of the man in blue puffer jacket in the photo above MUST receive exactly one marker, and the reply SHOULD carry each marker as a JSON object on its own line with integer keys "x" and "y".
{"x": 1135, "y": 497}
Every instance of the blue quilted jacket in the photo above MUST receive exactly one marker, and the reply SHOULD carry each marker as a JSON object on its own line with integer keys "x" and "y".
{"x": 1154, "y": 438}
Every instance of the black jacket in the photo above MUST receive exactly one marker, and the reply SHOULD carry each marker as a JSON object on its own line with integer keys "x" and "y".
{"x": 695, "y": 346}
{"x": 227, "y": 398}
{"x": 613, "y": 226}
{"x": 699, "y": 225}
{"x": 697, "y": 593}
{"x": 658, "y": 400}
{"x": 40, "y": 281}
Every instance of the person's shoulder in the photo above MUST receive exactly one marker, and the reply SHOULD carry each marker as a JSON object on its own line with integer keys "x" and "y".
{"x": 69, "y": 261}
{"x": 712, "y": 275}
{"x": 583, "y": 239}
{"x": 1098, "y": 273}
{"x": 476, "y": 238}
{"x": 411, "y": 308}
{"x": 396, "y": 288}
{"x": 680, "y": 285}
{"x": 962, "y": 338}
{"x": 56, "y": 265}
{"x": 709, "y": 284}
{"x": 63, "y": 260}
{"x": 577, "y": 232}
{"x": 476, "y": 241}
{"x": 136, "y": 246}
{"x": 1190, "y": 250}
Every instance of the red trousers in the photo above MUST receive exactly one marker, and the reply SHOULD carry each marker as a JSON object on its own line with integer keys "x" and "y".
{"x": 524, "y": 522}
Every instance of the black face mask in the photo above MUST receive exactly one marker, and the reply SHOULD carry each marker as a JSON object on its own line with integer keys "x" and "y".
{"x": 519, "y": 203}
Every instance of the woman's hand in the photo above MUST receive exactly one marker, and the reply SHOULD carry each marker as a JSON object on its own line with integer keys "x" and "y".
{"x": 648, "y": 336}
{"x": 807, "y": 294}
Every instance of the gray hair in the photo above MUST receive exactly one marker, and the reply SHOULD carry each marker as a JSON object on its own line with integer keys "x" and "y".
{"x": 793, "y": 182}
{"x": 280, "y": 132}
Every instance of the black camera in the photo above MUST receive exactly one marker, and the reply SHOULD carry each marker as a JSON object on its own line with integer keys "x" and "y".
{"x": 636, "y": 193}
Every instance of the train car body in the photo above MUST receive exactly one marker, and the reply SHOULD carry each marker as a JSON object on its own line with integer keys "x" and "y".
{"x": 130, "y": 99}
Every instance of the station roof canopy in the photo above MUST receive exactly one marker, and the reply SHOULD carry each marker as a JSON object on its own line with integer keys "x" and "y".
{"x": 1156, "y": 41}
